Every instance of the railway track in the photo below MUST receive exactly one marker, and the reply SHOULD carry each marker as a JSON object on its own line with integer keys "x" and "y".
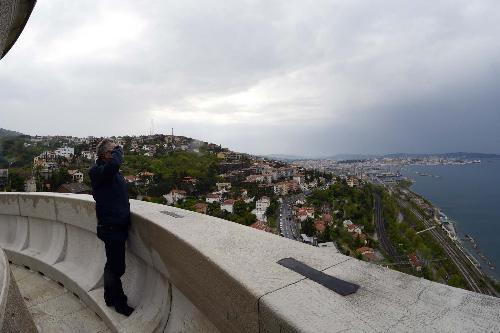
{"x": 472, "y": 275}
{"x": 381, "y": 232}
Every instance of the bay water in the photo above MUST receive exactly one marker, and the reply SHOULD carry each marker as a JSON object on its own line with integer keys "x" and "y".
{"x": 470, "y": 196}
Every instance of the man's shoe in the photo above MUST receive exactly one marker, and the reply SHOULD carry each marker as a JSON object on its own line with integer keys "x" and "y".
{"x": 124, "y": 309}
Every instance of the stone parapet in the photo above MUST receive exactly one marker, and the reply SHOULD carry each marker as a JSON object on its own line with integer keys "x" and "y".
{"x": 188, "y": 272}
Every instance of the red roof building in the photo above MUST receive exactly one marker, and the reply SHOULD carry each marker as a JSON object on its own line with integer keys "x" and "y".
{"x": 367, "y": 252}
{"x": 260, "y": 225}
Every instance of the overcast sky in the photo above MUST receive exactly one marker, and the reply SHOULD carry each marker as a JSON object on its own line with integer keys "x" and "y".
{"x": 294, "y": 77}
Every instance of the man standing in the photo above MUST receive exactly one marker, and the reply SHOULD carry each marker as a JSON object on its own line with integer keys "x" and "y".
{"x": 113, "y": 219}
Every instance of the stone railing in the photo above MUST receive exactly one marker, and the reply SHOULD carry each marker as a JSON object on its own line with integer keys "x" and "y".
{"x": 188, "y": 272}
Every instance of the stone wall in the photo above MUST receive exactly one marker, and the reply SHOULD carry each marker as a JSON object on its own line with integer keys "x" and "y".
{"x": 188, "y": 272}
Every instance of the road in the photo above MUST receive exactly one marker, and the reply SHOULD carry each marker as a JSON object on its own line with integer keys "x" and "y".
{"x": 469, "y": 271}
{"x": 288, "y": 227}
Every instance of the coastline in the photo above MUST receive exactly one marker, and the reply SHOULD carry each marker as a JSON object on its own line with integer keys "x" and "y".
{"x": 457, "y": 239}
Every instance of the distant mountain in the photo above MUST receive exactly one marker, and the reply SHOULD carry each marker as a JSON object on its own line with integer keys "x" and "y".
{"x": 457, "y": 155}
{"x": 5, "y": 132}
{"x": 283, "y": 157}
{"x": 345, "y": 157}
{"x": 352, "y": 157}
{"x": 338, "y": 157}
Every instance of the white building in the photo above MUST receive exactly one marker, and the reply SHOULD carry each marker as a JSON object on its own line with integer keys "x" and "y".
{"x": 76, "y": 175}
{"x": 223, "y": 187}
{"x": 347, "y": 223}
{"x": 46, "y": 156}
{"x": 260, "y": 215}
{"x": 174, "y": 196}
{"x": 228, "y": 205}
{"x": 299, "y": 178}
{"x": 66, "y": 152}
{"x": 90, "y": 155}
{"x": 213, "y": 197}
{"x": 262, "y": 204}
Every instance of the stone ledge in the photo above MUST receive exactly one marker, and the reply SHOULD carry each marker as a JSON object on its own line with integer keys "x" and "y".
{"x": 224, "y": 276}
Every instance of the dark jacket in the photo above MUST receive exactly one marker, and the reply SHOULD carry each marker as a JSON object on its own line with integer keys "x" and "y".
{"x": 111, "y": 196}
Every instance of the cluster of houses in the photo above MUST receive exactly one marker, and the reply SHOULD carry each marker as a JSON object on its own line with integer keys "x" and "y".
{"x": 303, "y": 213}
{"x": 49, "y": 161}
{"x": 150, "y": 145}
{"x": 221, "y": 198}
{"x": 354, "y": 230}
{"x": 280, "y": 178}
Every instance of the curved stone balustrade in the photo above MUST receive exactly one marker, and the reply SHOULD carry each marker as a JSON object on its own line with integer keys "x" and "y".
{"x": 188, "y": 272}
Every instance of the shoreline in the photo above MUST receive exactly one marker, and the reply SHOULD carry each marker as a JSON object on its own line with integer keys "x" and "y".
{"x": 458, "y": 240}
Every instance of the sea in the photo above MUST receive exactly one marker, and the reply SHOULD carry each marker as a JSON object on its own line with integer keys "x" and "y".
{"x": 469, "y": 195}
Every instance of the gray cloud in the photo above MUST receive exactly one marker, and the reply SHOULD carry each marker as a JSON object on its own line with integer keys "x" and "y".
{"x": 265, "y": 77}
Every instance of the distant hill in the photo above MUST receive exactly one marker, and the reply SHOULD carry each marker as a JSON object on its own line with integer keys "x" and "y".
{"x": 5, "y": 133}
{"x": 457, "y": 155}
{"x": 351, "y": 157}
{"x": 338, "y": 157}
{"x": 345, "y": 157}
{"x": 282, "y": 157}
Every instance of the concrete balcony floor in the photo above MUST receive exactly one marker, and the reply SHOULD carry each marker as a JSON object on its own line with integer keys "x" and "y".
{"x": 53, "y": 307}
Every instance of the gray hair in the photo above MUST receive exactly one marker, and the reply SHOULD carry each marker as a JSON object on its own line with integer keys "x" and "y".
{"x": 103, "y": 146}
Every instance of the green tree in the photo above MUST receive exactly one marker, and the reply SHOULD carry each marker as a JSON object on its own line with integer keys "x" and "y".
{"x": 456, "y": 280}
{"x": 307, "y": 227}
{"x": 58, "y": 178}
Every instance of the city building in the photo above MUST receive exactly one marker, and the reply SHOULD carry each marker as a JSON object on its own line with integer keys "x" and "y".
{"x": 223, "y": 187}
{"x": 213, "y": 197}
{"x": 367, "y": 252}
{"x": 89, "y": 155}
{"x": 261, "y": 225}
{"x": 66, "y": 152}
{"x": 286, "y": 187}
{"x": 174, "y": 196}
{"x": 262, "y": 204}
{"x": 228, "y": 205}
{"x": 76, "y": 176}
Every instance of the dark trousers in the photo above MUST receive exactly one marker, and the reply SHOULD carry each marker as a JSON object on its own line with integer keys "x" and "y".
{"x": 113, "y": 270}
